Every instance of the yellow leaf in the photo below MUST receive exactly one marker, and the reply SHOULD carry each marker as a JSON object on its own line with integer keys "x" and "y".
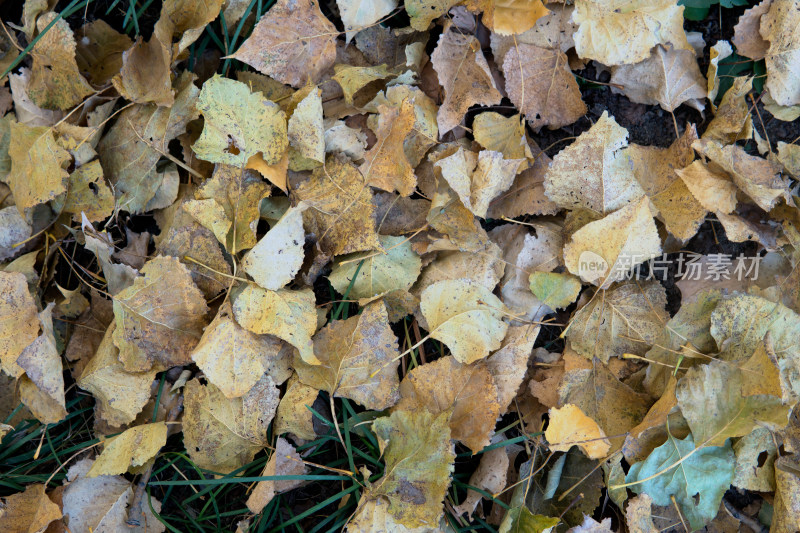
{"x": 569, "y": 426}
{"x": 19, "y": 321}
{"x": 732, "y": 121}
{"x": 718, "y": 52}
{"x": 623, "y": 31}
{"x": 224, "y": 434}
{"x": 292, "y": 42}
{"x": 288, "y": 315}
{"x": 159, "y": 318}
{"x": 38, "y": 164}
{"x": 359, "y": 359}
{"x": 133, "y": 447}
{"x": 555, "y": 290}
{"x": 239, "y": 124}
{"x": 783, "y": 57}
{"x": 419, "y": 459}
{"x": 716, "y": 192}
{"x": 603, "y": 251}
{"x": 293, "y": 415}
{"x": 465, "y": 316}
{"x": 465, "y": 77}
{"x": 353, "y": 79}
{"x": 29, "y": 512}
{"x": 541, "y": 85}
{"x": 385, "y": 164}
{"x": 87, "y": 193}
{"x": 508, "y": 17}
{"x": 305, "y": 132}
{"x": 464, "y": 394}
{"x": 120, "y": 395}
{"x": 233, "y": 358}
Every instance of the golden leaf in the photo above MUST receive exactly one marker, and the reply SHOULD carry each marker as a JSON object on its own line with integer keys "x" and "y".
{"x": 385, "y": 164}
{"x": 131, "y": 448}
{"x": 285, "y": 461}
{"x": 569, "y": 426}
{"x": 783, "y": 56}
{"x": 30, "y": 511}
{"x": 19, "y": 321}
{"x": 38, "y": 164}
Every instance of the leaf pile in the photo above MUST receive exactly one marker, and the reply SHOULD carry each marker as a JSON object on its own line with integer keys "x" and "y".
{"x": 347, "y": 243}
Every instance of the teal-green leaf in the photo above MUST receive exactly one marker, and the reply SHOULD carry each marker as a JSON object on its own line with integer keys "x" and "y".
{"x": 697, "y": 483}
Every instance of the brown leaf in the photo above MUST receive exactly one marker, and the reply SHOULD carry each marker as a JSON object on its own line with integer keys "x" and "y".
{"x": 285, "y": 461}
{"x": 385, "y": 164}
{"x": 29, "y": 512}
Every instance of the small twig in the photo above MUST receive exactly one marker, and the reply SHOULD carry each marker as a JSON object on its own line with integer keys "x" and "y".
{"x": 753, "y": 524}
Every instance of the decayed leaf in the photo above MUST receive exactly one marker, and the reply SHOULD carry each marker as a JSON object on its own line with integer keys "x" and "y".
{"x": 423, "y": 12}
{"x": 358, "y": 359}
{"x": 624, "y": 31}
{"x": 285, "y": 461}
{"x": 732, "y": 121}
{"x": 697, "y": 483}
{"x": 288, "y": 315}
{"x": 419, "y": 459}
{"x": 464, "y": 74}
{"x": 526, "y": 196}
{"x": 787, "y": 496}
{"x": 449, "y": 216}
{"x": 159, "y": 318}
{"x": 19, "y": 320}
{"x": 508, "y": 17}
{"x": 590, "y": 525}
{"x": 385, "y": 164}
{"x": 292, "y": 42}
{"x": 102, "y": 503}
{"x": 778, "y": 27}
{"x": 135, "y": 143}
{"x": 555, "y": 290}
{"x": 717, "y": 404}
{"x": 29, "y": 512}
{"x": 718, "y": 52}
{"x": 638, "y": 514}
{"x": 306, "y": 133}
{"x": 541, "y": 85}
{"x": 759, "y": 178}
{"x": 13, "y": 229}
{"x": 509, "y": 364}
{"x": 466, "y": 394}
{"x": 100, "y": 54}
{"x": 502, "y": 134}
{"x": 56, "y": 82}
{"x": 360, "y": 14}
{"x": 593, "y": 172}
{"x": 624, "y": 319}
{"x": 275, "y": 259}
{"x": 612, "y": 404}
{"x": 614, "y": 244}
{"x": 38, "y": 164}
{"x": 753, "y": 472}
{"x": 465, "y": 316}
{"x": 394, "y": 266}
{"x": 233, "y": 358}
{"x": 293, "y": 415}
{"x": 656, "y": 171}
{"x": 120, "y": 394}
{"x": 87, "y": 193}
{"x": 668, "y": 77}
{"x": 553, "y": 31}
{"x": 132, "y": 448}
{"x": 478, "y": 180}
{"x": 340, "y": 212}
{"x": 715, "y": 192}
{"x": 224, "y": 434}
{"x": 353, "y": 79}
{"x": 490, "y": 476}
{"x": 239, "y": 124}
{"x": 569, "y": 427}
{"x": 746, "y": 36}
{"x": 41, "y": 362}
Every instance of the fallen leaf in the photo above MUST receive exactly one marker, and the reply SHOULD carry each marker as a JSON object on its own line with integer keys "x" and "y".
{"x": 19, "y": 320}
{"x": 508, "y": 17}
{"x": 358, "y": 359}
{"x": 732, "y": 121}
{"x": 466, "y": 317}
{"x": 783, "y": 54}
{"x": 638, "y": 514}
{"x": 594, "y": 172}
{"x": 292, "y": 42}
{"x": 286, "y": 314}
{"x": 746, "y": 35}
{"x": 120, "y": 395}
{"x": 385, "y": 164}
{"x": 668, "y": 77}
{"x": 541, "y": 85}
{"x": 285, "y": 461}
{"x": 720, "y": 51}
{"x": 419, "y": 456}
{"x": 360, "y": 14}
{"x": 714, "y": 191}
{"x": 624, "y": 31}
{"x": 465, "y": 394}
{"x": 555, "y": 290}
{"x": 755, "y": 461}
{"x": 30, "y": 511}
{"x": 239, "y": 124}
{"x": 569, "y": 426}
{"x": 275, "y": 260}
{"x": 464, "y": 73}
{"x": 223, "y": 434}
{"x": 38, "y": 164}
{"x": 293, "y": 415}
{"x": 422, "y": 12}
{"x": 787, "y": 504}
{"x": 87, "y": 192}
{"x": 340, "y": 210}
{"x": 590, "y": 525}
{"x": 509, "y": 364}
{"x": 131, "y": 448}
{"x": 394, "y": 266}
{"x": 159, "y": 318}
{"x": 696, "y": 478}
